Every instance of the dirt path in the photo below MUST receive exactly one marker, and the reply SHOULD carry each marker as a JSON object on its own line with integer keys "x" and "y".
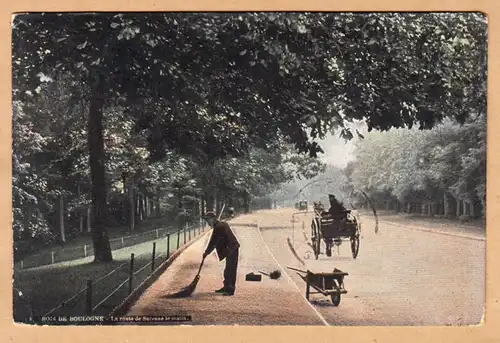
{"x": 270, "y": 302}
{"x": 401, "y": 276}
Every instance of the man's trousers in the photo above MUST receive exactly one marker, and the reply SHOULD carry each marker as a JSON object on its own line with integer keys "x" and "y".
{"x": 230, "y": 271}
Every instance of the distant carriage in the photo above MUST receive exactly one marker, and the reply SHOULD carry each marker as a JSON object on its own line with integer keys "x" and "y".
{"x": 301, "y": 205}
{"x": 334, "y": 230}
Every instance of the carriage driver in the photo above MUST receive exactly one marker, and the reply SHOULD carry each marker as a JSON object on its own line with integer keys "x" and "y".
{"x": 337, "y": 209}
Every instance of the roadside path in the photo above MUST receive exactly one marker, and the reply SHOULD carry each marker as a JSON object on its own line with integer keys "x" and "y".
{"x": 269, "y": 302}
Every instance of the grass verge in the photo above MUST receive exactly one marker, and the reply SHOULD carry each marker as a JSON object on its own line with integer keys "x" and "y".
{"x": 46, "y": 288}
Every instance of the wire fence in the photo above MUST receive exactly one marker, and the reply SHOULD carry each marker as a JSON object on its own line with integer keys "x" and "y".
{"x": 102, "y": 295}
{"x": 87, "y": 250}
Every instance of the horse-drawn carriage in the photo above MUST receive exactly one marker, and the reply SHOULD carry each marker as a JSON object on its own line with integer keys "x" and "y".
{"x": 333, "y": 229}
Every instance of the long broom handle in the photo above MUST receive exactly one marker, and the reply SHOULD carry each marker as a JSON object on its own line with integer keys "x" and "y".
{"x": 221, "y": 211}
{"x": 201, "y": 265}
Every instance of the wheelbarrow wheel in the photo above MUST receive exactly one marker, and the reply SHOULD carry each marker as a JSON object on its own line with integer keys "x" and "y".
{"x": 336, "y": 299}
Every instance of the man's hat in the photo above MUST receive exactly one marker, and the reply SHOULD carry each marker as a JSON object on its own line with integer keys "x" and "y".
{"x": 210, "y": 215}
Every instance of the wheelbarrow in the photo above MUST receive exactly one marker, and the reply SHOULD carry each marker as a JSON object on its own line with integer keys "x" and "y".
{"x": 328, "y": 284}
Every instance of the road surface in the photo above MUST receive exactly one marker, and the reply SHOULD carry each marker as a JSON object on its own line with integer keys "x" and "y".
{"x": 401, "y": 277}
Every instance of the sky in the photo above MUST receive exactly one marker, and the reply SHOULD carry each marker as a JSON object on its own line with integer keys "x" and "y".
{"x": 338, "y": 152}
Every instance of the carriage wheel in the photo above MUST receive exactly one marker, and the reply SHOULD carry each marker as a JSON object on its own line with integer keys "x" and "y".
{"x": 317, "y": 247}
{"x": 319, "y": 238}
{"x": 355, "y": 246}
{"x": 336, "y": 299}
{"x": 315, "y": 239}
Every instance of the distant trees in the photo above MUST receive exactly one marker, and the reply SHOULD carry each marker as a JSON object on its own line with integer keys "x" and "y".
{"x": 436, "y": 172}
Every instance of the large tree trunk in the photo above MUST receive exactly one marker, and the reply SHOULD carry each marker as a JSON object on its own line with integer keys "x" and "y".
{"x": 61, "y": 220}
{"x": 102, "y": 248}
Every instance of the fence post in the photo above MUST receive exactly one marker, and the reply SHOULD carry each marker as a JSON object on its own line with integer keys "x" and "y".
{"x": 52, "y": 255}
{"x": 22, "y": 264}
{"x": 189, "y": 231}
{"x": 178, "y": 238}
{"x": 85, "y": 250}
{"x": 88, "y": 303}
{"x": 131, "y": 273}
{"x": 153, "y": 257}
{"x": 122, "y": 243}
{"x": 157, "y": 234}
{"x": 184, "y": 241}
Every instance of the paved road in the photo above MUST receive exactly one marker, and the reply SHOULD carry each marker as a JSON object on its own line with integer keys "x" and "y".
{"x": 401, "y": 276}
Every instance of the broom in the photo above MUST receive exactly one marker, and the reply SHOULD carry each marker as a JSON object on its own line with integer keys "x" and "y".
{"x": 189, "y": 289}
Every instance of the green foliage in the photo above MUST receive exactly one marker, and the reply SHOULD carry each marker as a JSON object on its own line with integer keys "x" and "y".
{"x": 50, "y": 159}
{"x": 414, "y": 165}
{"x": 263, "y": 74}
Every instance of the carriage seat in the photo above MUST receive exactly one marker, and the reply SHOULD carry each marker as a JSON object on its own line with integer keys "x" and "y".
{"x": 340, "y": 214}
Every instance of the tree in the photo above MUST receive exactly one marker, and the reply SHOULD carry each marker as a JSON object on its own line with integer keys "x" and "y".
{"x": 230, "y": 82}
{"x": 425, "y": 167}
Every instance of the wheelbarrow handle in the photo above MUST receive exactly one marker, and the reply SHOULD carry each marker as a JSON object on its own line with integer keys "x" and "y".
{"x": 298, "y": 270}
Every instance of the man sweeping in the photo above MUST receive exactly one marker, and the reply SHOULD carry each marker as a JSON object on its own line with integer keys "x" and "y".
{"x": 225, "y": 243}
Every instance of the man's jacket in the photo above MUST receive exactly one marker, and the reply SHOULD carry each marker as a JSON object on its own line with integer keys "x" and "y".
{"x": 223, "y": 241}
